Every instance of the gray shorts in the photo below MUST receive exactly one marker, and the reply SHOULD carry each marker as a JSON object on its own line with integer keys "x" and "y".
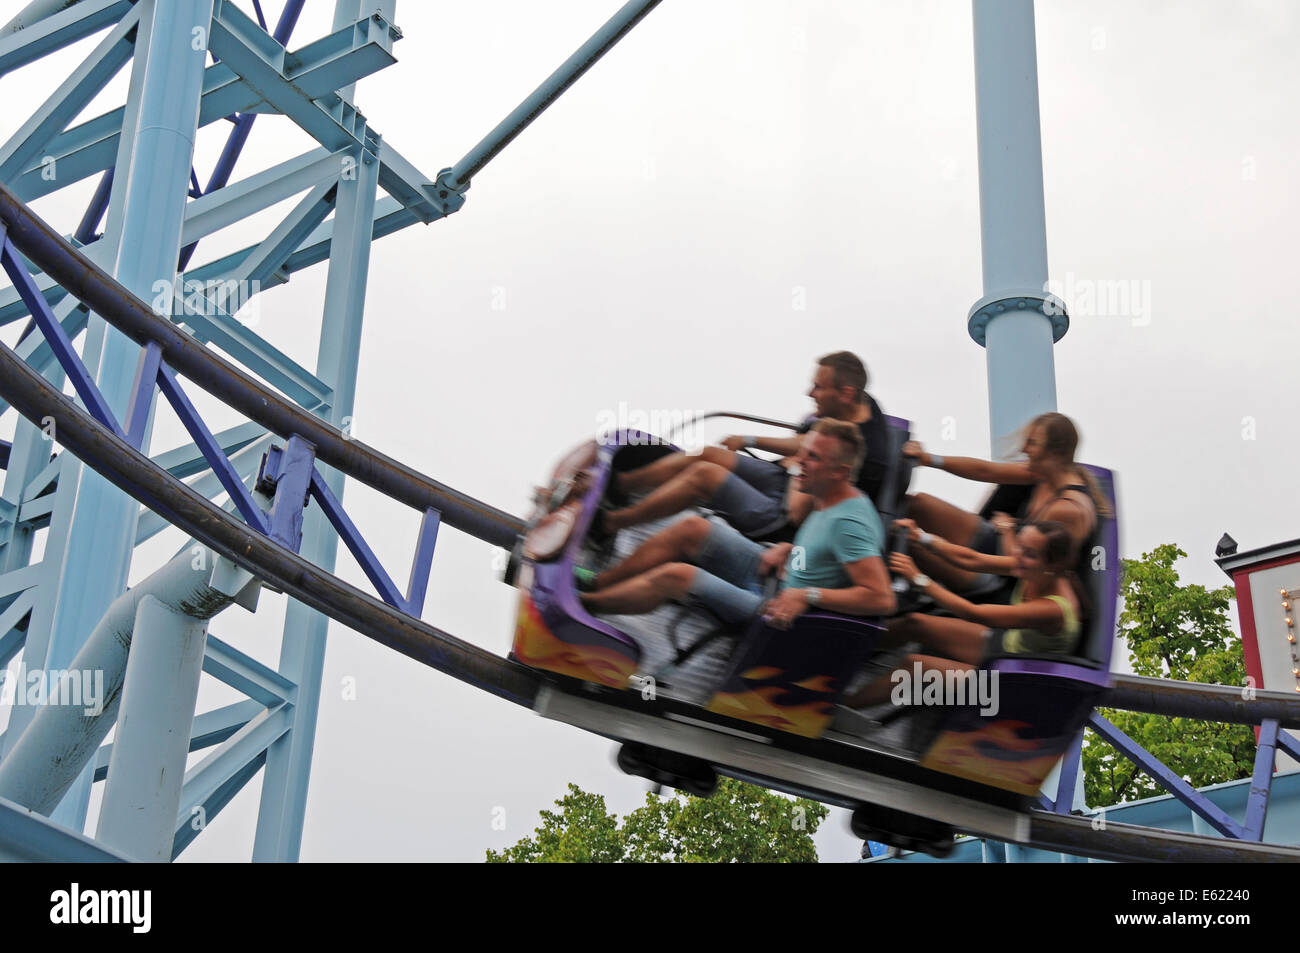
{"x": 987, "y": 539}
{"x": 752, "y": 498}
{"x": 726, "y": 578}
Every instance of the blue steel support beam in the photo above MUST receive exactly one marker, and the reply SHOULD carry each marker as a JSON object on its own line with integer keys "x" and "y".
{"x": 11, "y": 639}
{"x": 146, "y": 379}
{"x": 1207, "y": 809}
{"x": 244, "y": 673}
{"x": 36, "y": 349}
{"x": 28, "y": 144}
{"x": 1261, "y": 783}
{"x": 55, "y": 336}
{"x": 93, "y": 146}
{"x": 351, "y": 53}
{"x": 12, "y": 306}
{"x": 238, "y": 136}
{"x": 260, "y": 191}
{"x": 1288, "y": 744}
{"x": 352, "y": 538}
{"x": 302, "y": 653}
{"x": 188, "y": 460}
{"x": 315, "y": 71}
{"x": 290, "y": 472}
{"x": 418, "y": 584}
{"x": 390, "y": 216}
{"x": 211, "y": 783}
{"x": 219, "y": 462}
{"x": 55, "y": 32}
{"x": 270, "y": 256}
{"x": 1069, "y": 776}
{"x": 27, "y": 837}
{"x": 91, "y": 546}
{"x": 29, "y": 474}
{"x": 210, "y": 728}
{"x": 245, "y": 463}
{"x": 210, "y": 323}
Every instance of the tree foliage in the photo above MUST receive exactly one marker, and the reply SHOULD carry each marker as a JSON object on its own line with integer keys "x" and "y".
{"x": 739, "y": 823}
{"x": 1178, "y": 632}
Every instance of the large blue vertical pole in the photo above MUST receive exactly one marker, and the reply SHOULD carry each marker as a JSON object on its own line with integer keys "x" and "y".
{"x": 88, "y": 555}
{"x": 1015, "y": 320}
{"x": 302, "y": 651}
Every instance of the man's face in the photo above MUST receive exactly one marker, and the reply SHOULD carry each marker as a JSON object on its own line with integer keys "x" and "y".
{"x": 819, "y": 464}
{"x": 828, "y": 398}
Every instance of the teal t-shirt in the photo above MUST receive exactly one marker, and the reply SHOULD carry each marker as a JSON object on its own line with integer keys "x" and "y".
{"x": 829, "y": 538}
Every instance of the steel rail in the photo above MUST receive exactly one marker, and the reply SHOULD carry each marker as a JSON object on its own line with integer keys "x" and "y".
{"x": 137, "y": 475}
{"x": 1223, "y": 703}
{"x": 90, "y": 284}
{"x": 735, "y": 415}
{"x": 1124, "y": 842}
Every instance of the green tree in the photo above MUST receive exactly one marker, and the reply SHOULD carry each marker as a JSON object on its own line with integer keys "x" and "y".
{"x": 1178, "y": 632}
{"x": 739, "y": 823}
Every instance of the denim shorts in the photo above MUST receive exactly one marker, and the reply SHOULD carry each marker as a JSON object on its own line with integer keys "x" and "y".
{"x": 987, "y": 539}
{"x": 752, "y": 498}
{"x": 726, "y": 578}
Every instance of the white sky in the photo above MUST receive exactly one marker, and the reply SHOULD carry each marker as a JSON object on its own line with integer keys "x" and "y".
{"x": 649, "y": 235}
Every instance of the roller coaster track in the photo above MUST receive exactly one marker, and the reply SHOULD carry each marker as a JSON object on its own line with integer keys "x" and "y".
{"x": 132, "y": 471}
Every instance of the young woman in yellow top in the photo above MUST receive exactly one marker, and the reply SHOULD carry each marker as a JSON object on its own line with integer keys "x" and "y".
{"x": 1044, "y": 616}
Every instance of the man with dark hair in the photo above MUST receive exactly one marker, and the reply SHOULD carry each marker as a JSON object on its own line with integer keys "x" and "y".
{"x": 755, "y": 495}
{"x": 835, "y": 561}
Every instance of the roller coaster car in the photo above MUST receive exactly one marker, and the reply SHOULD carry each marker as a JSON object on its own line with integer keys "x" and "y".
{"x": 787, "y": 682}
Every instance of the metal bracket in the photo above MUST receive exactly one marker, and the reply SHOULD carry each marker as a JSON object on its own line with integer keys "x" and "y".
{"x": 1048, "y": 305}
{"x": 285, "y": 474}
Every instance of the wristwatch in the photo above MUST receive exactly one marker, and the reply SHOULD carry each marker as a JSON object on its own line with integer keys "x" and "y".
{"x": 814, "y": 596}
{"x": 921, "y": 581}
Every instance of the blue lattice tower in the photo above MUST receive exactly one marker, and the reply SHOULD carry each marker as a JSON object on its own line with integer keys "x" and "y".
{"x": 193, "y": 63}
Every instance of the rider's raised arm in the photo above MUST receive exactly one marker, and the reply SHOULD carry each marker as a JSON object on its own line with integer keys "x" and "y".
{"x": 963, "y": 557}
{"x": 985, "y": 471}
{"x": 784, "y": 446}
{"x": 1036, "y": 613}
{"x": 972, "y": 468}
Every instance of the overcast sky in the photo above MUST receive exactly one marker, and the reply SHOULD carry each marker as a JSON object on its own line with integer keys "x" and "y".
{"x": 739, "y": 187}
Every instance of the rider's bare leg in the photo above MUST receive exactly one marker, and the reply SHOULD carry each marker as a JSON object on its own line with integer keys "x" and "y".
{"x": 643, "y": 593}
{"x": 665, "y": 468}
{"x": 676, "y": 543}
{"x": 695, "y": 484}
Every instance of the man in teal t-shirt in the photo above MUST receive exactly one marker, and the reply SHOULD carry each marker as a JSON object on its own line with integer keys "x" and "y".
{"x": 835, "y": 561}
{"x": 832, "y": 538}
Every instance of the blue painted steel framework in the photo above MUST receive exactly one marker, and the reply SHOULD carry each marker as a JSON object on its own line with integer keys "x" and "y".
{"x": 115, "y": 374}
{"x": 157, "y": 214}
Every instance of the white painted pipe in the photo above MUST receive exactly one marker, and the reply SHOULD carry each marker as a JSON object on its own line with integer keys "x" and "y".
{"x": 143, "y": 793}
{"x": 61, "y": 738}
